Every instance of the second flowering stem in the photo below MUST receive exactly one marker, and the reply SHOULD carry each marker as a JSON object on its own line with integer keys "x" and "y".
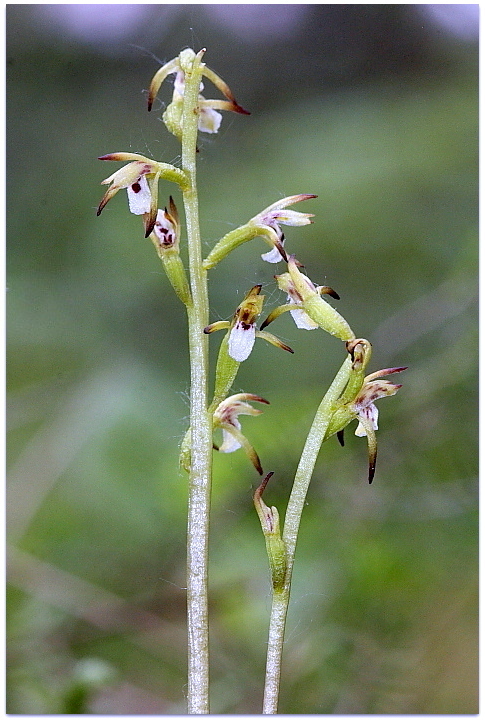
{"x": 281, "y": 595}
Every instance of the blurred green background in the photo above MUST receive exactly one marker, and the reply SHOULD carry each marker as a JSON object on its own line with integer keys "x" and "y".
{"x": 373, "y": 108}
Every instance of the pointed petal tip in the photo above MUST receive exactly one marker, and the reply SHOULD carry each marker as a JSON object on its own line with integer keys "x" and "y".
{"x": 372, "y": 465}
{"x": 112, "y": 156}
{"x": 149, "y": 227}
{"x": 104, "y": 200}
{"x": 281, "y": 250}
{"x": 263, "y": 484}
{"x": 328, "y": 291}
{"x": 394, "y": 370}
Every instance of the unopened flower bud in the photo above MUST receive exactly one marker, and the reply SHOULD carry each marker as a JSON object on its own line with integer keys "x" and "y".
{"x": 275, "y": 546}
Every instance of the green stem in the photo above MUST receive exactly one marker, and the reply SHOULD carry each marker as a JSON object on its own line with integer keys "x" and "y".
{"x": 200, "y": 420}
{"x": 294, "y": 511}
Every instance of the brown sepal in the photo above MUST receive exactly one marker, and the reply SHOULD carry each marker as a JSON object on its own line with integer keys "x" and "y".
{"x": 372, "y": 466}
{"x": 149, "y": 220}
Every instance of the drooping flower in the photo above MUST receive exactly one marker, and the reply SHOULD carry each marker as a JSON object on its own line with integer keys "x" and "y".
{"x": 308, "y": 309}
{"x": 140, "y": 179}
{"x": 243, "y": 331}
{"x": 277, "y": 214}
{"x": 266, "y": 225}
{"x": 226, "y": 418}
{"x": 209, "y": 119}
{"x": 357, "y": 399}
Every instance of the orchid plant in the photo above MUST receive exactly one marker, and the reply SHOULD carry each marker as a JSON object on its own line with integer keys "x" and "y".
{"x": 351, "y": 396}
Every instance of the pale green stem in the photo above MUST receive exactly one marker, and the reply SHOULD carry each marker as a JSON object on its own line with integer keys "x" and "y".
{"x": 200, "y": 420}
{"x": 294, "y": 511}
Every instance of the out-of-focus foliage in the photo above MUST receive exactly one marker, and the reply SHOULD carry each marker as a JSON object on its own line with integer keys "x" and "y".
{"x": 373, "y": 108}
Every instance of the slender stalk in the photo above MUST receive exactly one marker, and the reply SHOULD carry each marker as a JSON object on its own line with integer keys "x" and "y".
{"x": 200, "y": 420}
{"x": 294, "y": 511}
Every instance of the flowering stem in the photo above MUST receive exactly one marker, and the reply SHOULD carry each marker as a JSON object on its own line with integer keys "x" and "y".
{"x": 200, "y": 420}
{"x": 294, "y": 511}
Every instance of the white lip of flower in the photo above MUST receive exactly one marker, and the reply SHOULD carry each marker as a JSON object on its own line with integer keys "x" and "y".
{"x": 241, "y": 340}
{"x": 209, "y": 120}
{"x": 303, "y": 320}
{"x": 139, "y": 196}
{"x": 165, "y": 230}
{"x": 229, "y": 442}
{"x": 371, "y": 413}
{"x": 300, "y": 317}
{"x": 273, "y": 256}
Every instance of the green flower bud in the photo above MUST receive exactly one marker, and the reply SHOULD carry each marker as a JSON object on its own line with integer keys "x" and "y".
{"x": 275, "y": 546}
